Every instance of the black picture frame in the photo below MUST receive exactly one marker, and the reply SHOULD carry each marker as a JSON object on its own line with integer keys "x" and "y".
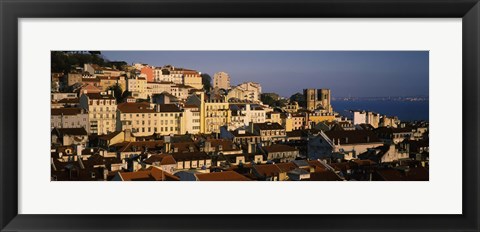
{"x": 12, "y": 10}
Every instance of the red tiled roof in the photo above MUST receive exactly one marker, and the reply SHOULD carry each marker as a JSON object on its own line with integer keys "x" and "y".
{"x": 267, "y": 170}
{"x": 222, "y": 176}
{"x": 352, "y": 136}
{"x": 279, "y": 148}
{"x": 134, "y": 107}
{"x": 66, "y": 111}
{"x": 153, "y": 174}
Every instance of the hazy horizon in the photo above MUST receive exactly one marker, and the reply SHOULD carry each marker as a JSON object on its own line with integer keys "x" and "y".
{"x": 346, "y": 73}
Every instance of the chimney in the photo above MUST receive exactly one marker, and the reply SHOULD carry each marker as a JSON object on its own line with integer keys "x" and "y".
{"x": 79, "y": 151}
{"x": 207, "y": 146}
{"x": 127, "y": 135}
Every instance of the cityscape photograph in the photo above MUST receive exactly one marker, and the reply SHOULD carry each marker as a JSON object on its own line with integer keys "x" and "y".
{"x": 239, "y": 116}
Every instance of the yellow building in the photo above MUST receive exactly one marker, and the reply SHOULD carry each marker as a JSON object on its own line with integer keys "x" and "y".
{"x": 273, "y": 117}
{"x": 293, "y": 122}
{"x": 291, "y": 107}
{"x": 315, "y": 118}
{"x": 107, "y": 81}
{"x": 144, "y": 120}
{"x": 213, "y": 113}
{"x": 138, "y": 87}
{"x": 101, "y": 109}
{"x": 217, "y": 114}
{"x": 193, "y": 79}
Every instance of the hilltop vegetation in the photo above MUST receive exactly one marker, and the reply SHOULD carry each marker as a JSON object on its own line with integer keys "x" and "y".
{"x": 63, "y": 61}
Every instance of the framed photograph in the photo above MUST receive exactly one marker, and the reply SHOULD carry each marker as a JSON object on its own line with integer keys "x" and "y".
{"x": 252, "y": 116}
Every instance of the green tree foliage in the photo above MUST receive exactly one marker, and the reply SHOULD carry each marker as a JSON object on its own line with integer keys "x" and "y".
{"x": 125, "y": 95}
{"x": 298, "y": 97}
{"x": 267, "y": 100}
{"x": 206, "y": 81}
{"x": 65, "y": 61}
{"x": 117, "y": 91}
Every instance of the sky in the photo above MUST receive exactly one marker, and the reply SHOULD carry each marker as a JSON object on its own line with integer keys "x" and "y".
{"x": 346, "y": 73}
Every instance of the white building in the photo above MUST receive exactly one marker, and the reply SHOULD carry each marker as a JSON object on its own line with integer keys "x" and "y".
{"x": 366, "y": 117}
{"x": 69, "y": 118}
{"x": 244, "y": 114}
{"x": 347, "y": 144}
{"x": 191, "y": 119}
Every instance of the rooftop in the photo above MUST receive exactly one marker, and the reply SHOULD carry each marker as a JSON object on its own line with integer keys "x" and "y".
{"x": 222, "y": 176}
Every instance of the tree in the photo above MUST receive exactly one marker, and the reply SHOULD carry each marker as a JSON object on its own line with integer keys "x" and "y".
{"x": 266, "y": 99}
{"x": 298, "y": 97}
{"x": 117, "y": 91}
{"x": 126, "y": 94}
{"x": 65, "y": 61}
{"x": 281, "y": 103}
{"x": 206, "y": 81}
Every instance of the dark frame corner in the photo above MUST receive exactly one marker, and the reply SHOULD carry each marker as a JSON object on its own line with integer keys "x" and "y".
{"x": 12, "y": 10}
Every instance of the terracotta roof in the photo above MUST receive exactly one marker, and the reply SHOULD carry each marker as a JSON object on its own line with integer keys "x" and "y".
{"x": 110, "y": 136}
{"x": 139, "y": 145}
{"x": 366, "y": 162}
{"x": 99, "y": 96}
{"x": 267, "y": 170}
{"x": 97, "y": 159}
{"x": 222, "y": 176}
{"x": 85, "y": 80}
{"x": 352, "y": 136}
{"x": 184, "y": 146}
{"x": 227, "y": 145}
{"x": 69, "y": 100}
{"x": 286, "y": 167}
{"x": 190, "y": 106}
{"x": 343, "y": 166}
{"x": 168, "y": 108}
{"x": 66, "y": 111}
{"x": 317, "y": 165}
{"x": 153, "y": 174}
{"x": 324, "y": 176}
{"x": 162, "y": 159}
{"x": 190, "y": 156}
{"x": 108, "y": 77}
{"x": 279, "y": 148}
{"x": 134, "y": 107}
{"x": 268, "y": 126}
